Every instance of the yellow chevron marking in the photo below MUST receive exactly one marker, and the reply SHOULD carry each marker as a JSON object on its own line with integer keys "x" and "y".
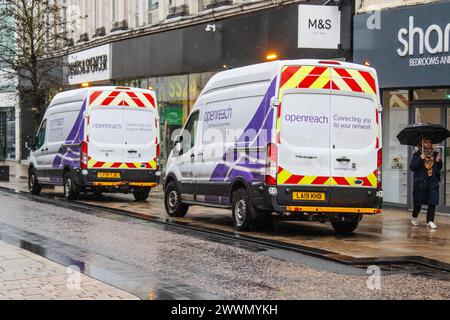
{"x": 298, "y": 77}
{"x": 322, "y": 80}
{"x": 342, "y": 85}
{"x": 373, "y": 179}
{"x": 361, "y": 81}
{"x": 283, "y": 177}
{"x": 307, "y": 180}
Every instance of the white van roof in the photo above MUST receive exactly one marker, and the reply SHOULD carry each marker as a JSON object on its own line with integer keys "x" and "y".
{"x": 267, "y": 71}
{"x": 81, "y": 94}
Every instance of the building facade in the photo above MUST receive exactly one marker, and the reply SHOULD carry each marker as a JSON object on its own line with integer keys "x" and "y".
{"x": 9, "y": 110}
{"x": 176, "y": 46}
{"x": 408, "y": 43}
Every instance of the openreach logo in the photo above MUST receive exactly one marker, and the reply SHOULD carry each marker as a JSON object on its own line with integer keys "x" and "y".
{"x": 434, "y": 40}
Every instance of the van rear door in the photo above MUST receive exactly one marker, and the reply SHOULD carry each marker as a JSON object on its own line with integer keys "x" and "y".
{"x": 140, "y": 136}
{"x": 304, "y": 149}
{"x": 105, "y": 136}
{"x": 304, "y": 131}
{"x": 122, "y": 129}
{"x": 354, "y": 139}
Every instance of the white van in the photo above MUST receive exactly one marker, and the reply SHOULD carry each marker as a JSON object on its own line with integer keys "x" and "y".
{"x": 301, "y": 138}
{"x": 99, "y": 139}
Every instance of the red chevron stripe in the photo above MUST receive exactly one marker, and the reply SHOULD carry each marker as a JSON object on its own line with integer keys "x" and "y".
{"x": 312, "y": 77}
{"x": 334, "y": 86}
{"x": 110, "y": 98}
{"x": 136, "y": 99}
{"x": 349, "y": 80}
{"x": 287, "y": 74}
{"x": 320, "y": 180}
{"x": 94, "y": 96}
{"x": 294, "y": 179}
{"x": 130, "y": 165}
{"x": 341, "y": 181}
{"x": 366, "y": 182}
{"x": 116, "y": 165}
{"x": 370, "y": 80}
{"x": 99, "y": 164}
{"x": 150, "y": 98}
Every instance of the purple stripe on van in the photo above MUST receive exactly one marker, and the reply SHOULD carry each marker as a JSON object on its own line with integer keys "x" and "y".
{"x": 249, "y": 164}
{"x": 71, "y": 156}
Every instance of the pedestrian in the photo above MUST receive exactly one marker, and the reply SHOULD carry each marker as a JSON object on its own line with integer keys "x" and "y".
{"x": 426, "y": 166}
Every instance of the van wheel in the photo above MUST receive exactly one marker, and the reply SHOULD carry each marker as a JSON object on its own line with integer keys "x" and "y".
{"x": 34, "y": 186}
{"x": 71, "y": 191}
{"x": 244, "y": 214}
{"x": 344, "y": 225}
{"x": 172, "y": 201}
{"x": 141, "y": 194}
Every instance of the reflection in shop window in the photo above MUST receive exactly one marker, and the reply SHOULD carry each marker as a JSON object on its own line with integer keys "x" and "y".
{"x": 395, "y": 156}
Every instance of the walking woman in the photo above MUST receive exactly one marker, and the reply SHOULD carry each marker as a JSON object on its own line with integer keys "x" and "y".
{"x": 426, "y": 166}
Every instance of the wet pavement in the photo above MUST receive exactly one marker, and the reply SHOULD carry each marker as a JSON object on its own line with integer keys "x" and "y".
{"x": 155, "y": 261}
{"x": 28, "y": 276}
{"x": 388, "y": 235}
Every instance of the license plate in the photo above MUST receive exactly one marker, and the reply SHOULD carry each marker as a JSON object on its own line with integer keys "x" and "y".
{"x": 309, "y": 196}
{"x": 108, "y": 175}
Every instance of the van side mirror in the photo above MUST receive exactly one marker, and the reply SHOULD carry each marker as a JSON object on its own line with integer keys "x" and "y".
{"x": 30, "y": 144}
{"x": 178, "y": 140}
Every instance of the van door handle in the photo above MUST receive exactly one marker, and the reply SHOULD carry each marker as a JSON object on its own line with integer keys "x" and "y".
{"x": 132, "y": 151}
{"x": 343, "y": 159}
{"x": 200, "y": 154}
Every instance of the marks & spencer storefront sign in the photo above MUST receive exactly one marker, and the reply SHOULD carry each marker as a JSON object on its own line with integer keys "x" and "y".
{"x": 408, "y": 46}
{"x": 90, "y": 65}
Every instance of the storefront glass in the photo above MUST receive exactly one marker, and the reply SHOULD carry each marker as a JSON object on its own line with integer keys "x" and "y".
{"x": 7, "y": 134}
{"x": 395, "y": 156}
{"x": 176, "y": 96}
{"x": 432, "y": 94}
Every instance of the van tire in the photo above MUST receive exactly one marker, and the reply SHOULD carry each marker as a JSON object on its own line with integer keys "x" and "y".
{"x": 345, "y": 226}
{"x": 245, "y": 216}
{"x": 141, "y": 194}
{"x": 172, "y": 201}
{"x": 71, "y": 190}
{"x": 34, "y": 186}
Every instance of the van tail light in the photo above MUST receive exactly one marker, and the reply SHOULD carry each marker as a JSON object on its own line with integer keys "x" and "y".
{"x": 83, "y": 155}
{"x": 271, "y": 165}
{"x": 158, "y": 155}
{"x": 380, "y": 169}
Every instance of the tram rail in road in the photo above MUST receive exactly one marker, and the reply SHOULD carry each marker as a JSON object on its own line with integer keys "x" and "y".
{"x": 417, "y": 264}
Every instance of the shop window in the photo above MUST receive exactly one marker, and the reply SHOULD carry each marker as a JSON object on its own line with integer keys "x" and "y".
{"x": 395, "y": 156}
{"x": 7, "y": 134}
{"x": 432, "y": 94}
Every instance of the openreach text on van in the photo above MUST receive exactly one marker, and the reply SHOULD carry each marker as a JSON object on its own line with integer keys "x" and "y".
{"x": 221, "y": 114}
{"x": 307, "y": 119}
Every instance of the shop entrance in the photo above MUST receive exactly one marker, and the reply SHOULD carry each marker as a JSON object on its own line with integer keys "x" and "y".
{"x": 438, "y": 113}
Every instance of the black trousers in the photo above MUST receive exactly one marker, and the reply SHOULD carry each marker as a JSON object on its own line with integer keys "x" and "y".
{"x": 431, "y": 212}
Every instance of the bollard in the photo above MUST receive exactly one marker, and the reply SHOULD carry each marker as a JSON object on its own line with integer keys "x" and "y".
{"x": 4, "y": 173}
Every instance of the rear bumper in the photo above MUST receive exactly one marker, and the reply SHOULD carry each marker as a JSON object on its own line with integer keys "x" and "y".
{"x": 339, "y": 200}
{"x": 132, "y": 178}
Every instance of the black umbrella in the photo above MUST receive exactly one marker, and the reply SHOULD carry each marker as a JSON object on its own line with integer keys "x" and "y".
{"x": 412, "y": 135}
